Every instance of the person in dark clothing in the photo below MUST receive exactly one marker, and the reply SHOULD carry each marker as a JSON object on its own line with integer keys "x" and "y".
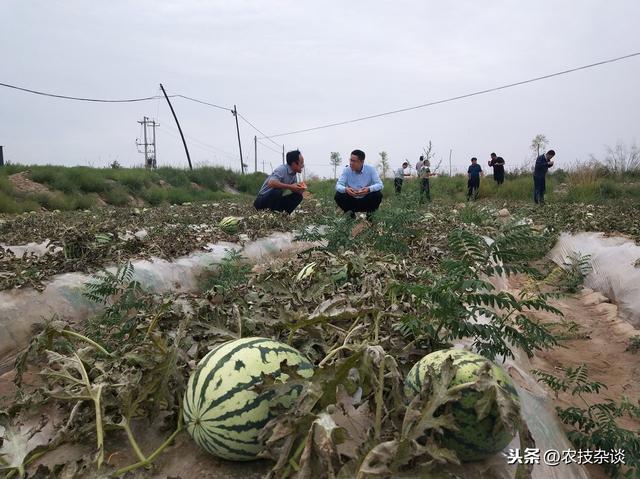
{"x": 359, "y": 188}
{"x": 473, "y": 184}
{"x": 498, "y": 168}
{"x": 543, "y": 163}
{"x": 284, "y": 177}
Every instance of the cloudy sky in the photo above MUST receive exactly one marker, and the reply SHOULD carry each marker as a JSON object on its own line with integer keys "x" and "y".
{"x": 291, "y": 65}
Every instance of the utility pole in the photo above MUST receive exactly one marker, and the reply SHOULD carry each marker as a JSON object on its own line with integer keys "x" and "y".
{"x": 186, "y": 150}
{"x": 149, "y": 148}
{"x": 235, "y": 113}
{"x": 1, "y": 157}
{"x": 255, "y": 153}
{"x": 153, "y": 125}
{"x": 283, "y": 154}
{"x": 450, "y": 162}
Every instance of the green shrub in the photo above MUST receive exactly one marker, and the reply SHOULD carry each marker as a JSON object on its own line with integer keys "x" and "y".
{"x": 117, "y": 196}
{"x": 134, "y": 178}
{"x": 250, "y": 183}
{"x": 177, "y": 196}
{"x": 54, "y": 201}
{"x": 213, "y": 177}
{"x": 85, "y": 202}
{"x": 321, "y": 189}
{"x": 88, "y": 180}
{"x": 609, "y": 189}
{"x": 155, "y": 195}
{"x": 6, "y": 186}
{"x": 8, "y": 204}
{"x": 11, "y": 169}
{"x": 174, "y": 176}
{"x": 56, "y": 177}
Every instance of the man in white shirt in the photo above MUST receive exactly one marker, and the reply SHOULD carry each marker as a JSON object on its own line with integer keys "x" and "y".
{"x": 399, "y": 175}
{"x": 359, "y": 187}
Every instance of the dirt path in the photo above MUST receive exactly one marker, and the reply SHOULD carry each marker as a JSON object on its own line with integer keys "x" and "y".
{"x": 600, "y": 342}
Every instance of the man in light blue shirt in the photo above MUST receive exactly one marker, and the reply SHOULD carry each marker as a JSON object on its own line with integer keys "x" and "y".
{"x": 359, "y": 188}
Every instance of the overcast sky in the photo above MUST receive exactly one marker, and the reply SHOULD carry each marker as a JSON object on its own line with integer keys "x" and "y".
{"x": 290, "y": 65}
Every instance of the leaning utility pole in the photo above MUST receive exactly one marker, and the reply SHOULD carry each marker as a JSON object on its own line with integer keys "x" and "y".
{"x": 235, "y": 113}
{"x": 450, "y": 162}
{"x": 149, "y": 148}
{"x": 255, "y": 153}
{"x": 177, "y": 123}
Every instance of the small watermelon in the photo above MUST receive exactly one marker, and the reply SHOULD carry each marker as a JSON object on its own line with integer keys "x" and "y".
{"x": 221, "y": 413}
{"x": 475, "y": 439}
{"x": 229, "y": 224}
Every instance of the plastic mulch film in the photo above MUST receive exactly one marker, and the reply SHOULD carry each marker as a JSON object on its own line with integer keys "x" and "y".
{"x": 615, "y": 268}
{"x": 63, "y": 295}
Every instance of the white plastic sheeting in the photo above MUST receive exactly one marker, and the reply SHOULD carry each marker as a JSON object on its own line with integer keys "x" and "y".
{"x": 20, "y": 309}
{"x": 613, "y": 272}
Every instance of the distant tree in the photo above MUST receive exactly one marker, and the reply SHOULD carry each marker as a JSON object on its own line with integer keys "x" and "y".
{"x": 115, "y": 165}
{"x": 429, "y": 154}
{"x": 335, "y": 161}
{"x": 383, "y": 165}
{"x": 538, "y": 143}
{"x": 623, "y": 159}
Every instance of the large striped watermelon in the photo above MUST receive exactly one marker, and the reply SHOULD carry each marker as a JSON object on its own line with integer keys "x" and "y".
{"x": 220, "y": 412}
{"x": 475, "y": 439}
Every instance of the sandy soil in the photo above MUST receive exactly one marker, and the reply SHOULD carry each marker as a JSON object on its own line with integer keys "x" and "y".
{"x": 22, "y": 184}
{"x": 600, "y": 342}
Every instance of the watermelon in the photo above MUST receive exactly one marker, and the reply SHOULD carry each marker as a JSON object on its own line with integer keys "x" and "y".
{"x": 221, "y": 413}
{"x": 475, "y": 439}
{"x": 229, "y": 224}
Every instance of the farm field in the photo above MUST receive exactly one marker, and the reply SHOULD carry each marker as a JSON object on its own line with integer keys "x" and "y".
{"x": 101, "y": 392}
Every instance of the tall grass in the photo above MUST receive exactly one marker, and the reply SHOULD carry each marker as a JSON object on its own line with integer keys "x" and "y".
{"x": 81, "y": 187}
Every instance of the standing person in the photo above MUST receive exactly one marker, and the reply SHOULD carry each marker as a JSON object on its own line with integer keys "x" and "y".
{"x": 474, "y": 172}
{"x": 498, "y": 168}
{"x": 543, "y": 163}
{"x": 425, "y": 173}
{"x": 359, "y": 187}
{"x": 284, "y": 177}
{"x": 399, "y": 175}
{"x": 419, "y": 164}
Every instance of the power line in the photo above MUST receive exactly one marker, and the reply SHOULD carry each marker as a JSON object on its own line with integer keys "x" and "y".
{"x": 204, "y": 103}
{"x": 438, "y": 102}
{"x": 198, "y": 141}
{"x": 102, "y": 100}
{"x": 269, "y": 147}
{"x": 258, "y": 130}
{"x": 65, "y": 97}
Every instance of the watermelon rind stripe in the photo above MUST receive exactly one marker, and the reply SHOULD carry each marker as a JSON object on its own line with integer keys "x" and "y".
{"x": 222, "y": 362}
{"x": 195, "y": 378}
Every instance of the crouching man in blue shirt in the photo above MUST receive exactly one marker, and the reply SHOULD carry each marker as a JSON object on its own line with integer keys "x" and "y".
{"x": 359, "y": 188}
{"x": 284, "y": 177}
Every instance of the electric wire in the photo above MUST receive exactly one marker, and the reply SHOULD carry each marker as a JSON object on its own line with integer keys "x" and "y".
{"x": 459, "y": 97}
{"x": 258, "y": 130}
